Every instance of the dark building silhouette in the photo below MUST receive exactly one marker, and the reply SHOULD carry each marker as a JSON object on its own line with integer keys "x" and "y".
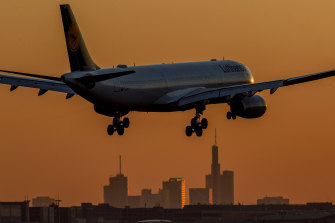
{"x": 42, "y": 201}
{"x": 273, "y": 201}
{"x": 227, "y": 187}
{"x": 149, "y": 200}
{"x": 15, "y": 212}
{"x": 116, "y": 193}
{"x": 213, "y": 179}
{"x": 199, "y": 196}
{"x": 88, "y": 213}
{"x": 173, "y": 193}
{"x": 215, "y": 174}
{"x": 134, "y": 201}
{"x": 146, "y": 200}
{"x": 222, "y": 186}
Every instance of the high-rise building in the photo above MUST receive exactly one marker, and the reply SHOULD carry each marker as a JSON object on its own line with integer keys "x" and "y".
{"x": 222, "y": 185}
{"x": 213, "y": 180}
{"x": 174, "y": 191}
{"x": 199, "y": 196}
{"x": 215, "y": 174}
{"x": 209, "y": 183}
{"x": 227, "y": 187}
{"x": 164, "y": 198}
{"x": 116, "y": 193}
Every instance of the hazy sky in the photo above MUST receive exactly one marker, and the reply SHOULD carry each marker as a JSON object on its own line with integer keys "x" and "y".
{"x": 52, "y": 146}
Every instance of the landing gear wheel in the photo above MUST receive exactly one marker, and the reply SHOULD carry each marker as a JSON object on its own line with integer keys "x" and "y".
{"x": 204, "y": 123}
{"x": 189, "y": 130}
{"x": 194, "y": 122}
{"x": 197, "y": 124}
{"x": 120, "y": 130}
{"x": 233, "y": 116}
{"x": 110, "y": 130}
{"x": 198, "y": 131}
{"x": 126, "y": 122}
{"x": 229, "y": 114}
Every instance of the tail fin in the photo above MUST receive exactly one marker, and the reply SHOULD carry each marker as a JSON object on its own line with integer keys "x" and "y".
{"x": 80, "y": 59}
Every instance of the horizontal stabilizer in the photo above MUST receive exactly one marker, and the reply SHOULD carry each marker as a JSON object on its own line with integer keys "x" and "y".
{"x": 32, "y": 75}
{"x": 51, "y": 85}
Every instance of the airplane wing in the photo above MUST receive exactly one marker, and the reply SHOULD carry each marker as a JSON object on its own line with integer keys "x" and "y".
{"x": 43, "y": 84}
{"x": 247, "y": 89}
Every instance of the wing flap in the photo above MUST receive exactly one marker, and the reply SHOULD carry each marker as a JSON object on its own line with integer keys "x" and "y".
{"x": 249, "y": 89}
{"x": 43, "y": 84}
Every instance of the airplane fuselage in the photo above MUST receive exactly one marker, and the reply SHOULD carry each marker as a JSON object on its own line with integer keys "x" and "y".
{"x": 155, "y": 85}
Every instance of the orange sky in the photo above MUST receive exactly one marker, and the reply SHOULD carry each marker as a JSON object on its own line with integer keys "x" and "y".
{"x": 52, "y": 146}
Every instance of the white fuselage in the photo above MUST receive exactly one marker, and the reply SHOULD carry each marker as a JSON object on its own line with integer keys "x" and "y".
{"x": 152, "y": 86}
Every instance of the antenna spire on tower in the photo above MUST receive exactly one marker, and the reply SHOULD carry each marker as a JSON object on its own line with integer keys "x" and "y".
{"x": 215, "y": 136}
{"x": 120, "y": 166}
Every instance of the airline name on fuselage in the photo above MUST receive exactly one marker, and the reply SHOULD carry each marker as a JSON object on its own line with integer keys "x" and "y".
{"x": 227, "y": 68}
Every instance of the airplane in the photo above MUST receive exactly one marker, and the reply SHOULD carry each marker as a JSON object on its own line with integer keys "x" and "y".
{"x": 114, "y": 92}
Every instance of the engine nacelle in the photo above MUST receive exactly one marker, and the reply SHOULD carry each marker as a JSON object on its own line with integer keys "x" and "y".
{"x": 249, "y": 107}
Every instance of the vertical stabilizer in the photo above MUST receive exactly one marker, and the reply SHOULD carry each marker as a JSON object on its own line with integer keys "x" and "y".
{"x": 80, "y": 59}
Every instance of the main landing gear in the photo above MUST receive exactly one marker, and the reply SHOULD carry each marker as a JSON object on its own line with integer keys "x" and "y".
{"x": 197, "y": 124}
{"x": 118, "y": 126}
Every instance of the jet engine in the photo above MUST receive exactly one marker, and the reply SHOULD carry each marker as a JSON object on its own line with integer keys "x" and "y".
{"x": 249, "y": 107}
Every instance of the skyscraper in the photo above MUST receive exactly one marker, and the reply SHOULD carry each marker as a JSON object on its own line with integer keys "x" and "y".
{"x": 222, "y": 185}
{"x": 116, "y": 193}
{"x": 174, "y": 191}
{"x": 213, "y": 180}
{"x": 215, "y": 174}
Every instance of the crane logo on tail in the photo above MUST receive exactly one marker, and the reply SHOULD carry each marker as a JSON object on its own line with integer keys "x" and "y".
{"x": 73, "y": 38}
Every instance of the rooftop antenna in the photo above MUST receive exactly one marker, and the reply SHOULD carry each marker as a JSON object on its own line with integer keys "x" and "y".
{"x": 57, "y": 201}
{"x": 120, "y": 165}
